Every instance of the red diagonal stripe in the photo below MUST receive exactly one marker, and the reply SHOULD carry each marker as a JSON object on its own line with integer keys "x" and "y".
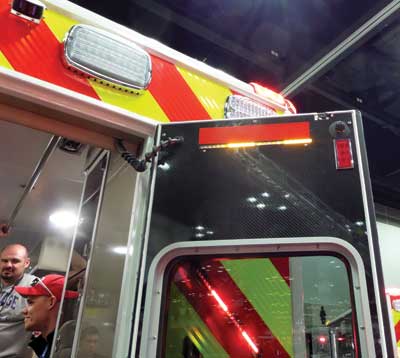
{"x": 282, "y": 266}
{"x": 34, "y": 50}
{"x": 217, "y": 320}
{"x": 173, "y": 94}
{"x": 397, "y": 331}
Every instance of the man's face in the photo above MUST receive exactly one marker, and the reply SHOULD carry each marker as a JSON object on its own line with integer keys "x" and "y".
{"x": 90, "y": 343}
{"x": 13, "y": 263}
{"x": 36, "y": 312}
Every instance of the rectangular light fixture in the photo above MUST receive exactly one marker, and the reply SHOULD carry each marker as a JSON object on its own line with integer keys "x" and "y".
{"x": 255, "y": 135}
{"x": 237, "y": 106}
{"x": 107, "y": 57}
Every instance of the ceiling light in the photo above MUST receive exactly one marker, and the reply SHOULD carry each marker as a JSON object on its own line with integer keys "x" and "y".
{"x": 260, "y": 205}
{"x": 63, "y": 219}
{"x": 252, "y": 199}
{"x": 282, "y": 207}
{"x": 107, "y": 57}
{"x": 265, "y": 195}
{"x": 199, "y": 227}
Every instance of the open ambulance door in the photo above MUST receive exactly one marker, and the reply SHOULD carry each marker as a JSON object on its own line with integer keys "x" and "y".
{"x": 261, "y": 242}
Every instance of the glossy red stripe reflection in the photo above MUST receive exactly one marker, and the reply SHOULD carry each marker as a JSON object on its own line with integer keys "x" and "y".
{"x": 282, "y": 266}
{"x": 231, "y": 301}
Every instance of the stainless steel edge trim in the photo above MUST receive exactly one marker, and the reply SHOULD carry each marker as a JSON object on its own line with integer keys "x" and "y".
{"x": 88, "y": 265}
{"x": 144, "y": 254}
{"x": 369, "y": 233}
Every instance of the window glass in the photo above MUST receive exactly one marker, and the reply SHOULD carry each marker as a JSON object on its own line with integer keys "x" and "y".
{"x": 258, "y": 307}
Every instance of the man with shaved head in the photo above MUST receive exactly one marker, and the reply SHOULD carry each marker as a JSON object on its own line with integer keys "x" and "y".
{"x": 14, "y": 261}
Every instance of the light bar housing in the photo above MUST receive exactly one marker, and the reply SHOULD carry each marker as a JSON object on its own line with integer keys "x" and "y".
{"x": 237, "y": 106}
{"x": 106, "y": 57}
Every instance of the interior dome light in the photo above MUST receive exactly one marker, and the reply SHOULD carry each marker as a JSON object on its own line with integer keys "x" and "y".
{"x": 31, "y": 10}
{"x": 106, "y": 57}
{"x": 63, "y": 219}
{"x": 237, "y": 106}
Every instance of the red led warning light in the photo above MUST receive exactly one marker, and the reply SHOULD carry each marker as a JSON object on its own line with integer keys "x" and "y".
{"x": 343, "y": 154}
{"x": 255, "y": 135}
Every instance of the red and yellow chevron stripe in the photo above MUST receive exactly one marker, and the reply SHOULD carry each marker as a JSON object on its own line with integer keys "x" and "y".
{"x": 174, "y": 94}
{"x": 213, "y": 308}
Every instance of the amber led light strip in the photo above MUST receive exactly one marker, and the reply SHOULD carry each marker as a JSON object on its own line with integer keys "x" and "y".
{"x": 243, "y": 136}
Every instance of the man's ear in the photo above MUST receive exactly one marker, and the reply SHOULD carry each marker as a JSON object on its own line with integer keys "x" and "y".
{"x": 52, "y": 302}
{"x": 27, "y": 262}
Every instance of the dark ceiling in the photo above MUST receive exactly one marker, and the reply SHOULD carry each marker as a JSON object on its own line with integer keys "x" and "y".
{"x": 275, "y": 42}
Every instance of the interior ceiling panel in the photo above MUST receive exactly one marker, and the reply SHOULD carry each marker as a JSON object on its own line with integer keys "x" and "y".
{"x": 274, "y": 42}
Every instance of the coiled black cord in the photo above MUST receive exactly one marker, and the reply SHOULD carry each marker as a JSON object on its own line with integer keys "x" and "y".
{"x": 140, "y": 165}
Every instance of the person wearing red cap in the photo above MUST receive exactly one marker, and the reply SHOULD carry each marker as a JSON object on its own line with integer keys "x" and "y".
{"x": 14, "y": 262}
{"x": 43, "y": 303}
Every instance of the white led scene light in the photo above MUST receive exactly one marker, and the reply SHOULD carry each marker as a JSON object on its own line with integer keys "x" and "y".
{"x": 237, "y": 106}
{"x": 107, "y": 57}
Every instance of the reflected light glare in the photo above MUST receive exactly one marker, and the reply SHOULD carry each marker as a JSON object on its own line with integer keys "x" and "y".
{"x": 63, "y": 219}
{"x": 219, "y": 300}
{"x": 164, "y": 166}
{"x": 121, "y": 250}
{"x": 393, "y": 291}
{"x": 322, "y": 339}
{"x": 249, "y": 341}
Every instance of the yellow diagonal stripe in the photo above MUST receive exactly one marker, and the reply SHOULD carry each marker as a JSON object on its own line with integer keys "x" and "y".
{"x": 211, "y": 95}
{"x": 183, "y": 321}
{"x": 268, "y": 293}
{"x": 396, "y": 317}
{"x": 4, "y": 62}
{"x": 58, "y": 24}
{"x": 143, "y": 104}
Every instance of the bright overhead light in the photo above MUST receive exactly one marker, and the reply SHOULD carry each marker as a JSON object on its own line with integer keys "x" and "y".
{"x": 252, "y": 199}
{"x": 199, "y": 227}
{"x": 265, "y": 195}
{"x": 107, "y": 57}
{"x": 260, "y": 205}
{"x": 282, "y": 207}
{"x": 63, "y": 219}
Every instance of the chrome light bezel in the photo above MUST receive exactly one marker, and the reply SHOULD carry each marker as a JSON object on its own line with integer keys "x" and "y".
{"x": 97, "y": 75}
